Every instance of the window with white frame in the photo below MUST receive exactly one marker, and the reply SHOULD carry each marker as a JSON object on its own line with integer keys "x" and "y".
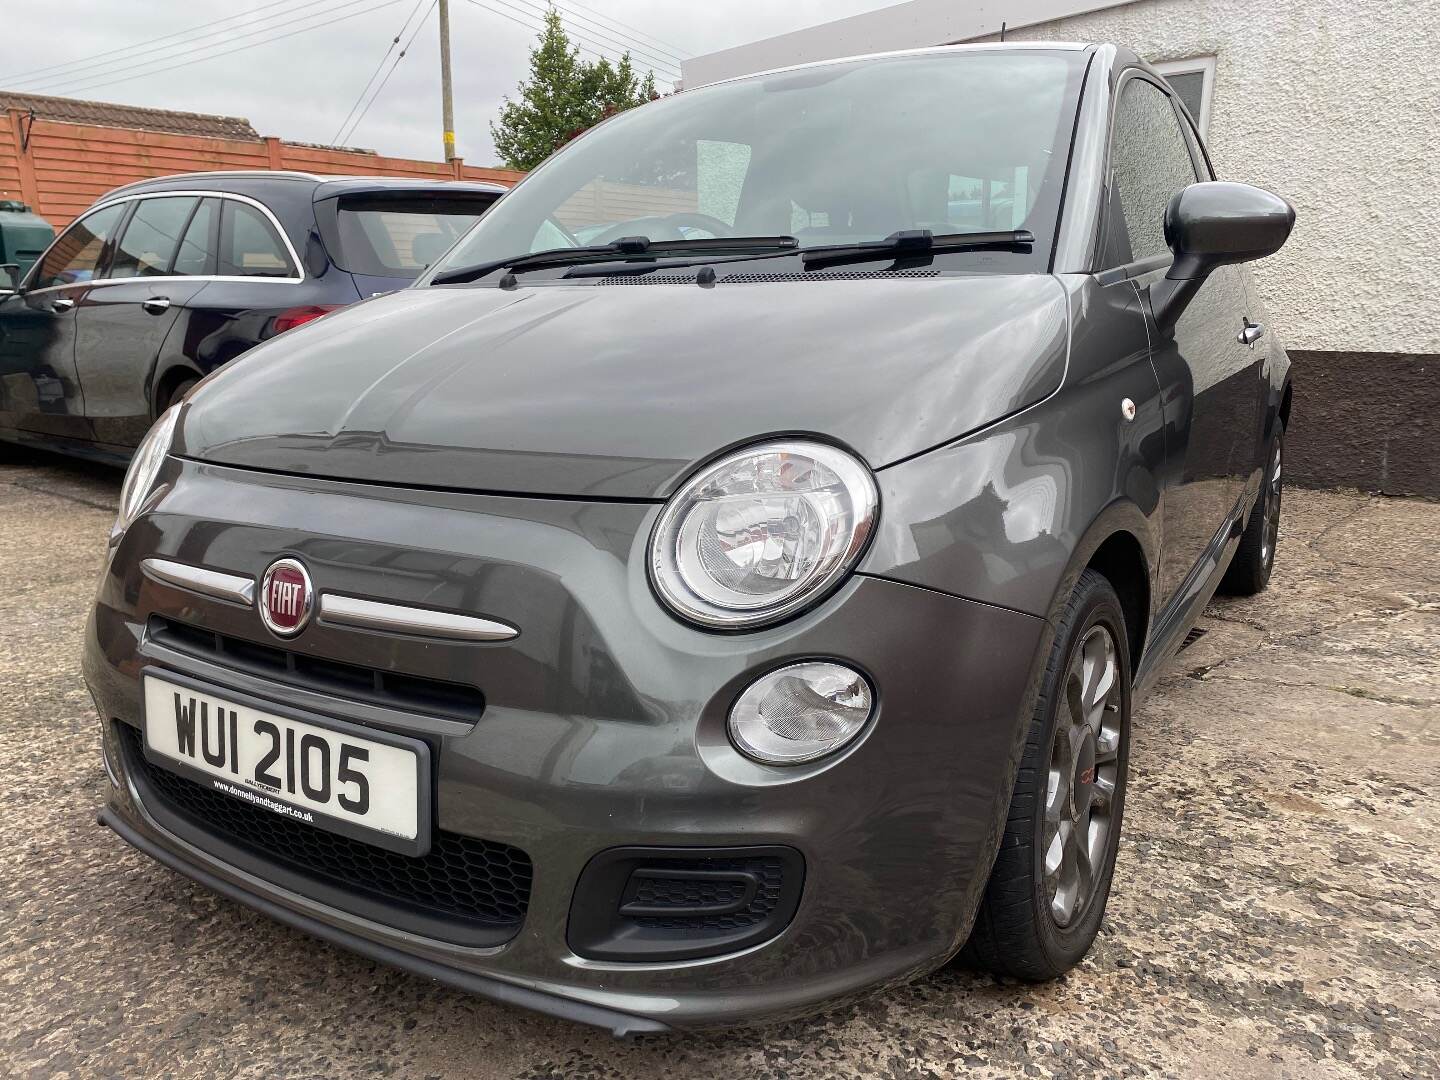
{"x": 1193, "y": 81}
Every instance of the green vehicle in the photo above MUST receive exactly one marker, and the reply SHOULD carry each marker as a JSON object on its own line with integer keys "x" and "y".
{"x": 24, "y": 236}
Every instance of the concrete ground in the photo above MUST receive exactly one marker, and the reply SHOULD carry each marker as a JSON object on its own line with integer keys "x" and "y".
{"x": 1277, "y": 911}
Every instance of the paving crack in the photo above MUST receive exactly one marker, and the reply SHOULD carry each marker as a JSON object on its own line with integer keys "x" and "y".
{"x": 1387, "y": 699}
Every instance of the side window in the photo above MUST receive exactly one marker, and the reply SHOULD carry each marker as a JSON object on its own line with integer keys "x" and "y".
{"x": 197, "y": 246}
{"x": 249, "y": 245}
{"x": 1149, "y": 162}
{"x": 148, "y": 244}
{"x": 77, "y": 253}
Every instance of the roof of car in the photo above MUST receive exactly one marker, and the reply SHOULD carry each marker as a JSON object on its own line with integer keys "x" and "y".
{"x": 929, "y": 50}
{"x": 346, "y": 185}
{"x": 325, "y": 186}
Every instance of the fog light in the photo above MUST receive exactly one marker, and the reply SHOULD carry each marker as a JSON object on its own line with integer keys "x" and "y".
{"x": 800, "y": 713}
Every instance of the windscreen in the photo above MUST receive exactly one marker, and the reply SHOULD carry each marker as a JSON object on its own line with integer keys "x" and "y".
{"x": 969, "y": 141}
{"x": 389, "y": 237}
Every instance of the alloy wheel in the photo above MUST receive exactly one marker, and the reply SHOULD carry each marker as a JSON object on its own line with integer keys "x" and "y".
{"x": 1272, "y": 506}
{"x": 1084, "y": 773}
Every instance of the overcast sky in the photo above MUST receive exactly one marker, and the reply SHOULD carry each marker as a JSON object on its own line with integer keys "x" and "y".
{"x": 301, "y": 87}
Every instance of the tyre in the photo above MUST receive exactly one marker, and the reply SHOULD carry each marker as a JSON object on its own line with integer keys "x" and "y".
{"x": 1254, "y": 560}
{"x": 178, "y": 392}
{"x": 1047, "y": 891}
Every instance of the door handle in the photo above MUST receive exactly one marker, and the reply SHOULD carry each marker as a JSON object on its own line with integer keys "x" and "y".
{"x": 61, "y": 304}
{"x": 1250, "y": 333}
{"x": 156, "y": 305}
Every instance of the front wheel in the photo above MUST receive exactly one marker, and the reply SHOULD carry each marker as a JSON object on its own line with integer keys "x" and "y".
{"x": 1047, "y": 891}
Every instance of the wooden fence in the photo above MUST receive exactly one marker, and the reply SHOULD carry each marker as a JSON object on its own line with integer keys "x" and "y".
{"x": 60, "y": 169}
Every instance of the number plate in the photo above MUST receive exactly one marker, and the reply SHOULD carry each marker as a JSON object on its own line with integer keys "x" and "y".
{"x": 358, "y": 782}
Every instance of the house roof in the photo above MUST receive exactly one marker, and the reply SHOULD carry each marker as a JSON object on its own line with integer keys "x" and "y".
{"x": 105, "y": 114}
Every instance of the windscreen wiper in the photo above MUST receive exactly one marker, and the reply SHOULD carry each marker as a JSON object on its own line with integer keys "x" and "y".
{"x": 917, "y": 242}
{"x": 627, "y": 247}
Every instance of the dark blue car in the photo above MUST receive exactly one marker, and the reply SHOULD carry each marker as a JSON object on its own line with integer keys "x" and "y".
{"x": 163, "y": 281}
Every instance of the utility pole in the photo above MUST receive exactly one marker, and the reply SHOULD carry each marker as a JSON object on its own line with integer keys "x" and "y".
{"x": 446, "y": 93}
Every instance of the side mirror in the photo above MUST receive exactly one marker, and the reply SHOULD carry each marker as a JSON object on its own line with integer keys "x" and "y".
{"x": 1216, "y": 224}
{"x": 11, "y": 281}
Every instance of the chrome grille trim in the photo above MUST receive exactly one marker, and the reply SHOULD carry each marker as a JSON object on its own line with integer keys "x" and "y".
{"x": 401, "y": 619}
{"x": 229, "y": 587}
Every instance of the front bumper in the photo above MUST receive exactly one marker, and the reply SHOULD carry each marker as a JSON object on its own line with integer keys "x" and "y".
{"x": 603, "y": 726}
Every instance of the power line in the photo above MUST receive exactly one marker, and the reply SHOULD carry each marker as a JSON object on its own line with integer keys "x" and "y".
{"x": 635, "y": 48}
{"x": 88, "y": 70}
{"x": 506, "y": 13}
{"x": 73, "y": 82}
{"x": 107, "y": 81}
{"x": 329, "y": 14}
{"x": 527, "y": 25}
{"x": 520, "y": 16}
{"x": 602, "y": 41}
{"x": 375, "y": 96}
{"x": 672, "y": 51}
{"x": 375, "y": 74}
{"x": 85, "y": 60}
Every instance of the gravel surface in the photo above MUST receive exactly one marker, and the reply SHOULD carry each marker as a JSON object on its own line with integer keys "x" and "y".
{"x": 1276, "y": 913}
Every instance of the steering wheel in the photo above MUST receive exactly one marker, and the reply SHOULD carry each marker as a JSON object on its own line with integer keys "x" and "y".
{"x": 694, "y": 220}
{"x": 667, "y": 227}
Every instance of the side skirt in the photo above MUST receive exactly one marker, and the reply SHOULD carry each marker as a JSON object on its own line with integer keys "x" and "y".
{"x": 1190, "y": 599}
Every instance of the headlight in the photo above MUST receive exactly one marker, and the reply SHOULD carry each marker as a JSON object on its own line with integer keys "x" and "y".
{"x": 144, "y": 467}
{"x": 762, "y": 533}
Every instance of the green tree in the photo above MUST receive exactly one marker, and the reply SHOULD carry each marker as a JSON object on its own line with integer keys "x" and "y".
{"x": 563, "y": 97}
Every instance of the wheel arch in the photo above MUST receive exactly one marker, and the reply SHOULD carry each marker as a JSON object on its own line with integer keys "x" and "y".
{"x": 1121, "y": 545}
{"x": 167, "y": 381}
{"x": 1121, "y": 560}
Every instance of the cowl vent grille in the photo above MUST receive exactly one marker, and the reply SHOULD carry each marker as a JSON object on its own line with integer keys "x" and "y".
{"x": 649, "y": 279}
{"x": 830, "y": 275}
{"x": 753, "y": 279}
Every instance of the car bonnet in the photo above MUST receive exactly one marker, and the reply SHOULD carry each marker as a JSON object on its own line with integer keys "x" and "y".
{"x": 618, "y": 389}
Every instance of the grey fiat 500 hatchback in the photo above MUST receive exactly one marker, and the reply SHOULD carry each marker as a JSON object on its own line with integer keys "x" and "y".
{"x": 724, "y": 580}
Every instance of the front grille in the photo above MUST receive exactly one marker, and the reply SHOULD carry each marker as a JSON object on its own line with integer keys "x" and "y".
{"x": 334, "y": 678}
{"x": 465, "y": 889}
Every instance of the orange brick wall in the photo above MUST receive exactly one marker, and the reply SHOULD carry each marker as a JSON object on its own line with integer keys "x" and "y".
{"x": 66, "y": 167}
{"x": 9, "y": 166}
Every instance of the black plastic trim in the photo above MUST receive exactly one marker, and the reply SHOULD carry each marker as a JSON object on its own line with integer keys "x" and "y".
{"x": 382, "y": 910}
{"x": 600, "y": 927}
{"x": 349, "y": 682}
{"x": 617, "y": 1023}
{"x": 750, "y": 885}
